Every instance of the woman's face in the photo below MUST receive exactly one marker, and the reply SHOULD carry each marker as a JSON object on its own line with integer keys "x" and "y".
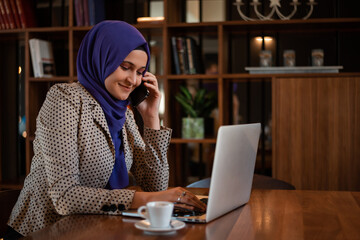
{"x": 127, "y": 76}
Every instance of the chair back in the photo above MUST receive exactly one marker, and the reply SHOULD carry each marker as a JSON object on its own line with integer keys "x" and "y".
{"x": 259, "y": 182}
{"x": 8, "y": 199}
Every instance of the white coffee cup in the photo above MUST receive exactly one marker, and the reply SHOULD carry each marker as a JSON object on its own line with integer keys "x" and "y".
{"x": 158, "y": 213}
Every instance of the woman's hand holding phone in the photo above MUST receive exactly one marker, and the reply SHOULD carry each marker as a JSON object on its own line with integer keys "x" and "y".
{"x": 149, "y": 108}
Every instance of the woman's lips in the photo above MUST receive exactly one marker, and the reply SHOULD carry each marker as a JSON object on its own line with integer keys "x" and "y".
{"x": 128, "y": 88}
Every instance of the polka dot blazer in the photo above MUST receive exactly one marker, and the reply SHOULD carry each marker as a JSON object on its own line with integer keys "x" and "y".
{"x": 74, "y": 157}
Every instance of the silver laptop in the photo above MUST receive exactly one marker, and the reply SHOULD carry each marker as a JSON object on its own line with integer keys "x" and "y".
{"x": 232, "y": 173}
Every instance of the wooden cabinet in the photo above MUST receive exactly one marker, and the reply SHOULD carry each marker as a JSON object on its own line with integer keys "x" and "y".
{"x": 229, "y": 44}
{"x": 316, "y": 131}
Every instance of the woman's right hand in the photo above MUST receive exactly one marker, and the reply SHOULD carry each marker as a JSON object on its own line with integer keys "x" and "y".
{"x": 180, "y": 196}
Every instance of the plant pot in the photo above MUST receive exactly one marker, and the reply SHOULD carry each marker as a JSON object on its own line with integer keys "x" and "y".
{"x": 193, "y": 128}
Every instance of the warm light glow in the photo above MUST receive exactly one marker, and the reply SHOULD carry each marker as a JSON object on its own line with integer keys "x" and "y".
{"x": 162, "y": 102}
{"x": 150, "y": 19}
{"x": 19, "y": 71}
{"x": 24, "y": 134}
{"x": 267, "y": 39}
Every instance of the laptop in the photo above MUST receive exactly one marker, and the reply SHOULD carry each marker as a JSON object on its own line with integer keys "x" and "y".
{"x": 232, "y": 173}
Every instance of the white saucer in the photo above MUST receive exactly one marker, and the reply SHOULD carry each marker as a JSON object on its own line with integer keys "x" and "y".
{"x": 145, "y": 225}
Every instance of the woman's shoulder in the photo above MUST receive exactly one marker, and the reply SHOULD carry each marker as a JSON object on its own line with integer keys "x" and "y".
{"x": 73, "y": 90}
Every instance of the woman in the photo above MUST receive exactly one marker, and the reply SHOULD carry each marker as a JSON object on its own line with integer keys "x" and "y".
{"x": 87, "y": 139}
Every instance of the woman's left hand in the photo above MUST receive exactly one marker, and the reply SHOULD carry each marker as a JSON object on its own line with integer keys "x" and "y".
{"x": 149, "y": 108}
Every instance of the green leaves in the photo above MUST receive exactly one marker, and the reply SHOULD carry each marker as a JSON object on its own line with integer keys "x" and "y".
{"x": 201, "y": 105}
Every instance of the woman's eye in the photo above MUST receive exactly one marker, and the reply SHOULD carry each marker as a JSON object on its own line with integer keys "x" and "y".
{"x": 139, "y": 73}
{"x": 124, "y": 68}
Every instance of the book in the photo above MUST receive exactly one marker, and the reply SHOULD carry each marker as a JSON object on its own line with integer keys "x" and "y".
{"x": 43, "y": 12}
{"x": 195, "y": 66}
{"x": 189, "y": 48}
{"x": 15, "y": 13}
{"x": 96, "y": 11}
{"x": 3, "y": 15}
{"x": 86, "y": 12}
{"x": 42, "y": 58}
{"x": 9, "y": 14}
{"x": 26, "y": 13}
{"x": 174, "y": 51}
{"x": 186, "y": 55}
{"x": 182, "y": 54}
{"x": 79, "y": 12}
{"x": 2, "y": 23}
{"x": 59, "y": 13}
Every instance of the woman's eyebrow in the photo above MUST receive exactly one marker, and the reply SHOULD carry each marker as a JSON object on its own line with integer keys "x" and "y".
{"x": 132, "y": 64}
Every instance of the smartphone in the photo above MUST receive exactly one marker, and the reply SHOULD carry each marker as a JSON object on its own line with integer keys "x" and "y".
{"x": 139, "y": 94}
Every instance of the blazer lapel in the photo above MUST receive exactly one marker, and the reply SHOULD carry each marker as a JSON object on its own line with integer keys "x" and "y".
{"x": 99, "y": 118}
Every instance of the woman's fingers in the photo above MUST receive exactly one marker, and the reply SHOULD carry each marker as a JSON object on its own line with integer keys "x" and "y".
{"x": 151, "y": 79}
{"x": 151, "y": 83}
{"x": 188, "y": 198}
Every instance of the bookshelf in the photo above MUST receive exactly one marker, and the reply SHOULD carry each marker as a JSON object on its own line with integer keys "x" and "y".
{"x": 229, "y": 43}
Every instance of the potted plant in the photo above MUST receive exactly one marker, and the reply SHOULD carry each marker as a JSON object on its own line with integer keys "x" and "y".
{"x": 197, "y": 109}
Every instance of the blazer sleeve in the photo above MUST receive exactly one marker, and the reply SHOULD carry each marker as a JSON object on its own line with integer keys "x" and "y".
{"x": 57, "y": 135}
{"x": 150, "y": 165}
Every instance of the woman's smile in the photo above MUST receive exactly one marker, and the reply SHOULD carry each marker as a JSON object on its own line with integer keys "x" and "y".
{"x": 125, "y": 87}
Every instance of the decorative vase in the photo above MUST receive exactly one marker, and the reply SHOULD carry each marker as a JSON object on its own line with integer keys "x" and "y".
{"x": 193, "y": 128}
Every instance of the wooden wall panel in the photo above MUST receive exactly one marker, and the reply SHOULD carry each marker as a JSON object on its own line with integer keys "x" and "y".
{"x": 316, "y": 132}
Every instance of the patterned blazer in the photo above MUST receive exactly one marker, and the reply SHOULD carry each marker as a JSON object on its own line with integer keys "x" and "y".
{"x": 74, "y": 156}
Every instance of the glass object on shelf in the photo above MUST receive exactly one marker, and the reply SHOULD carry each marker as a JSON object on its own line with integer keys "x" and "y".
{"x": 317, "y": 57}
{"x": 192, "y": 128}
{"x": 265, "y": 58}
{"x": 192, "y": 11}
{"x": 213, "y": 10}
{"x": 156, "y": 60}
{"x": 156, "y": 8}
{"x": 289, "y": 58}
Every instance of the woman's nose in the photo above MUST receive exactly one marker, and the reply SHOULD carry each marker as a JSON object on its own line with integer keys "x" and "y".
{"x": 132, "y": 77}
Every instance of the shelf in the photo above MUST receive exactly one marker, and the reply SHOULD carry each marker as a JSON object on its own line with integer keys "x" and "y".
{"x": 323, "y": 23}
{"x": 5, "y": 186}
{"x": 150, "y": 25}
{"x": 289, "y": 70}
{"x": 16, "y": 184}
{"x": 192, "y": 76}
{"x": 139, "y": 26}
{"x": 53, "y": 79}
{"x": 182, "y": 140}
{"x": 293, "y": 25}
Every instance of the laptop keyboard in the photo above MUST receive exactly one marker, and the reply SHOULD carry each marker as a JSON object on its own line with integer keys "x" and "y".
{"x": 185, "y": 213}
{"x": 182, "y": 212}
{"x": 204, "y": 200}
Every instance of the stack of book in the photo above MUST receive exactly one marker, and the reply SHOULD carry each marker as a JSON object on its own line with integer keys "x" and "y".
{"x": 89, "y": 12}
{"x": 16, "y": 14}
{"x": 186, "y": 56}
{"x": 42, "y": 58}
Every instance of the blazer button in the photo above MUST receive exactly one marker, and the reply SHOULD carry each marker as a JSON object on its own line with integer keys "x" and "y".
{"x": 121, "y": 207}
{"x": 112, "y": 208}
{"x": 105, "y": 208}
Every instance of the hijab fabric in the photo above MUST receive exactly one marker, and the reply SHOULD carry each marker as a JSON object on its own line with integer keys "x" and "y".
{"x": 101, "y": 52}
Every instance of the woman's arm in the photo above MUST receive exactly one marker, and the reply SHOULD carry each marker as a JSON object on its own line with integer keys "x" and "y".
{"x": 147, "y": 155}
{"x": 76, "y": 154}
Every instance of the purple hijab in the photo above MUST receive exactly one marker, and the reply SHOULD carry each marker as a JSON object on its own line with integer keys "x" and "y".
{"x": 101, "y": 52}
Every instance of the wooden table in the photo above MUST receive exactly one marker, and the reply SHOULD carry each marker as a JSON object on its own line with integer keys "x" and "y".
{"x": 270, "y": 214}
